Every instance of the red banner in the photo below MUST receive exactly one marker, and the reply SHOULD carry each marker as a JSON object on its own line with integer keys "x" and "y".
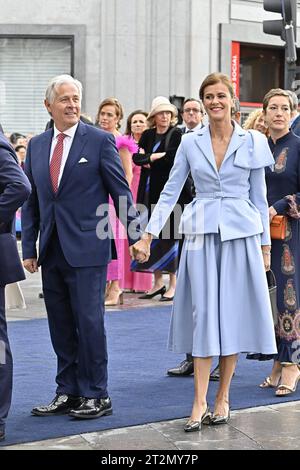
{"x": 235, "y": 67}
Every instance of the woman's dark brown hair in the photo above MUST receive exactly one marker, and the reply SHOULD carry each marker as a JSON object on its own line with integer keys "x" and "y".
{"x": 214, "y": 78}
{"x": 128, "y": 122}
{"x": 116, "y": 104}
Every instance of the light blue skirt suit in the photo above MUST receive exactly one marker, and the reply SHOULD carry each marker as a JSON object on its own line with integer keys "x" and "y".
{"x": 221, "y": 304}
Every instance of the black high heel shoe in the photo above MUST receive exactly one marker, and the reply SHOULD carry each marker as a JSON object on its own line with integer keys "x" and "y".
{"x": 166, "y": 299}
{"x": 192, "y": 426}
{"x": 161, "y": 291}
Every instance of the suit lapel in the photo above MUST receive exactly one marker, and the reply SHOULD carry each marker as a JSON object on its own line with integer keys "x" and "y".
{"x": 238, "y": 138}
{"x": 77, "y": 145}
{"x": 203, "y": 141}
{"x": 45, "y": 150}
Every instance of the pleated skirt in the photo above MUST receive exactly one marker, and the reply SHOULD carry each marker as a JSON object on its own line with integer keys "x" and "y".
{"x": 221, "y": 305}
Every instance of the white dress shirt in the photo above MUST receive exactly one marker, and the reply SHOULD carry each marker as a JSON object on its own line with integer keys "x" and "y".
{"x": 68, "y": 140}
{"x": 196, "y": 128}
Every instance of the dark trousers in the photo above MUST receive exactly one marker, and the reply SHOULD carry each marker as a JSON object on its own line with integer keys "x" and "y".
{"x": 6, "y": 365}
{"x": 74, "y": 299}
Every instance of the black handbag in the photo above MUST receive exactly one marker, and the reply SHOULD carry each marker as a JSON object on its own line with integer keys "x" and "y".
{"x": 273, "y": 295}
{"x": 11, "y": 269}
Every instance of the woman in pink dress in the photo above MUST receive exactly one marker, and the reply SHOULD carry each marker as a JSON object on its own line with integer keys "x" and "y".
{"x": 109, "y": 116}
{"x": 136, "y": 124}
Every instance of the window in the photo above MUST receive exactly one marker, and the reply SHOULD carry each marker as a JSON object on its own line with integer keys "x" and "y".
{"x": 261, "y": 68}
{"x": 26, "y": 66}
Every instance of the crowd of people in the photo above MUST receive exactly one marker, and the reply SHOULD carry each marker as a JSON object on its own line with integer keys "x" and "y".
{"x": 226, "y": 181}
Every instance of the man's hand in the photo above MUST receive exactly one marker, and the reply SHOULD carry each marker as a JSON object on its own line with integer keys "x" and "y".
{"x": 140, "y": 251}
{"x": 31, "y": 265}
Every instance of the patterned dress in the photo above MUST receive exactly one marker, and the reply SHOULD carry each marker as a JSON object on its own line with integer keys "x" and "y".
{"x": 285, "y": 260}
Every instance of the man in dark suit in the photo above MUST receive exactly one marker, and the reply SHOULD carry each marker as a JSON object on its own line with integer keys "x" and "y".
{"x": 14, "y": 189}
{"x": 192, "y": 114}
{"x": 73, "y": 168}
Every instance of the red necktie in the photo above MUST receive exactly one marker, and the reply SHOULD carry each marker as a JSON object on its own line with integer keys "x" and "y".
{"x": 56, "y": 161}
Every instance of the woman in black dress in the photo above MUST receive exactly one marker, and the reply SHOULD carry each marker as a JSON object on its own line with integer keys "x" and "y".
{"x": 157, "y": 149}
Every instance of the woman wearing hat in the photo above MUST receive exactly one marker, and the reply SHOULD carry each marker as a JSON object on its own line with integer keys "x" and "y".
{"x": 157, "y": 149}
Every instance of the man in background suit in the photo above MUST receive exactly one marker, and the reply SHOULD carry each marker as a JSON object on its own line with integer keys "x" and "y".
{"x": 295, "y": 121}
{"x": 14, "y": 190}
{"x": 73, "y": 168}
{"x": 192, "y": 114}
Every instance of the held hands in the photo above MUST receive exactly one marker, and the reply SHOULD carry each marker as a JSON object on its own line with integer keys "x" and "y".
{"x": 140, "y": 251}
{"x": 266, "y": 252}
{"x": 31, "y": 265}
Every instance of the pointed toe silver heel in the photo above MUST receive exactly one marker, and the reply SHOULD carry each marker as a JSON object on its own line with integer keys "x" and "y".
{"x": 219, "y": 419}
{"x": 192, "y": 426}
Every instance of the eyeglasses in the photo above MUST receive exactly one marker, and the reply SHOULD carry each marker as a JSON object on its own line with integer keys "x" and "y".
{"x": 192, "y": 110}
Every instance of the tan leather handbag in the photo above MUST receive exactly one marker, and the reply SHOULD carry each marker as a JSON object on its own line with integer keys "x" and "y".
{"x": 278, "y": 227}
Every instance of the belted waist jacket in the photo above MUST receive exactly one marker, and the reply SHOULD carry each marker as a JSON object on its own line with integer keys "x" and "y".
{"x": 232, "y": 200}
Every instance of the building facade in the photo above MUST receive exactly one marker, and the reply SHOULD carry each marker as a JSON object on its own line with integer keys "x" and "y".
{"x": 131, "y": 49}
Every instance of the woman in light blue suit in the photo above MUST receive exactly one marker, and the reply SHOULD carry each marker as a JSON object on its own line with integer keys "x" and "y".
{"x": 221, "y": 305}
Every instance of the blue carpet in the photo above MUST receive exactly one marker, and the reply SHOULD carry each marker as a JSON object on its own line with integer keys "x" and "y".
{"x": 140, "y": 390}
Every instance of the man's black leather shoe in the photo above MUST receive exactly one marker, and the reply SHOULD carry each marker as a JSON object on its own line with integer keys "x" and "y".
{"x": 215, "y": 374}
{"x": 92, "y": 408}
{"x": 185, "y": 368}
{"x": 2, "y": 435}
{"x": 60, "y": 405}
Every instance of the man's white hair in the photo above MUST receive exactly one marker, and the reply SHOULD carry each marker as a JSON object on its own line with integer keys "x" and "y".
{"x": 61, "y": 80}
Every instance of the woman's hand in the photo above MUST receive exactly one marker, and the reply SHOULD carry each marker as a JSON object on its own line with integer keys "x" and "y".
{"x": 272, "y": 213}
{"x": 266, "y": 252}
{"x": 157, "y": 156}
{"x": 140, "y": 251}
